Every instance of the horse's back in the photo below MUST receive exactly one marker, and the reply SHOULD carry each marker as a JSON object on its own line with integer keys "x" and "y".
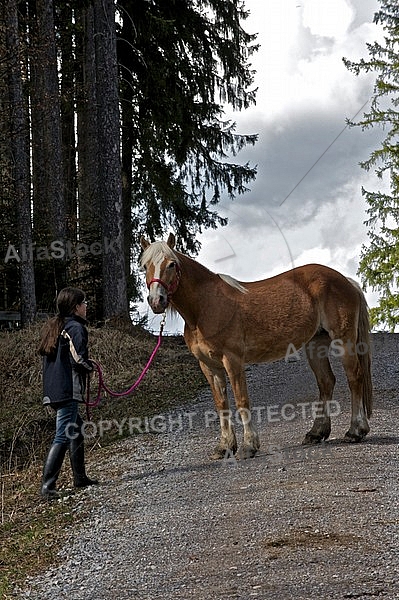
{"x": 290, "y": 308}
{"x": 310, "y": 274}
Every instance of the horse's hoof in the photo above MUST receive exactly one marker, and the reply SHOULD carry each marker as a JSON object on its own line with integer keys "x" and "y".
{"x": 220, "y": 453}
{"x": 353, "y": 438}
{"x": 312, "y": 439}
{"x": 246, "y": 452}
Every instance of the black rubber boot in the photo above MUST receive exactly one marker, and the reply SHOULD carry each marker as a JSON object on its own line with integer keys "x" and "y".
{"x": 77, "y": 456}
{"x": 51, "y": 470}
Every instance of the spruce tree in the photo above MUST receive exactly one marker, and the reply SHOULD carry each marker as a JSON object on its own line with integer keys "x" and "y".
{"x": 180, "y": 63}
{"x": 379, "y": 263}
{"x": 127, "y": 136}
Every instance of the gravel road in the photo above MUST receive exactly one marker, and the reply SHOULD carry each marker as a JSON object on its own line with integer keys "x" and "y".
{"x": 293, "y": 523}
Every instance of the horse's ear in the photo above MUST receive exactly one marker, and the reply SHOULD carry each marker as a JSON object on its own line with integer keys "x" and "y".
{"x": 144, "y": 243}
{"x": 171, "y": 241}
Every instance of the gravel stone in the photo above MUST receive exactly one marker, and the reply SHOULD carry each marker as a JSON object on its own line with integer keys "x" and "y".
{"x": 294, "y": 522}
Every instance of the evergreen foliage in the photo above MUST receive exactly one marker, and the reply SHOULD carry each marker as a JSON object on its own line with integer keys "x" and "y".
{"x": 379, "y": 264}
{"x": 179, "y": 63}
{"x": 128, "y": 137}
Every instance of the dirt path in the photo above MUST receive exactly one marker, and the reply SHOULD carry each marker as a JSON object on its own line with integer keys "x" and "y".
{"x": 293, "y": 523}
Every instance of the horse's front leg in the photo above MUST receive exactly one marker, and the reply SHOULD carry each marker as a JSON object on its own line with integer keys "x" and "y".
{"x": 236, "y": 372}
{"x": 217, "y": 380}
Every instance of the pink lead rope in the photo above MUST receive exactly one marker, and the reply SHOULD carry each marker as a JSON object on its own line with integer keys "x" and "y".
{"x": 102, "y": 385}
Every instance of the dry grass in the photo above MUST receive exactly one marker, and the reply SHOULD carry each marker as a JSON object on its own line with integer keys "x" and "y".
{"x": 32, "y": 529}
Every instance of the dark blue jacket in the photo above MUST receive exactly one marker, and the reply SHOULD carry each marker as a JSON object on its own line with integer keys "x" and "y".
{"x": 65, "y": 374}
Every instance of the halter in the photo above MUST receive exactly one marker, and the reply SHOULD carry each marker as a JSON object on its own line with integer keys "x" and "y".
{"x": 170, "y": 289}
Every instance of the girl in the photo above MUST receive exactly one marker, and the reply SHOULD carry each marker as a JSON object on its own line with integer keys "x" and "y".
{"x": 65, "y": 369}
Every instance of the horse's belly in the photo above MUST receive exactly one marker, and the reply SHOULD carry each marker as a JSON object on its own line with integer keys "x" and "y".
{"x": 260, "y": 355}
{"x": 267, "y": 349}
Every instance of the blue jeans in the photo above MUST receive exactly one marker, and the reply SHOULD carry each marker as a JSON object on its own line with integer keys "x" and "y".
{"x": 68, "y": 423}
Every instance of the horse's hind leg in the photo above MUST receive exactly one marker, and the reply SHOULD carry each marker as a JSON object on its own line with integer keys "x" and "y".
{"x": 216, "y": 378}
{"x": 317, "y": 355}
{"x": 359, "y": 424}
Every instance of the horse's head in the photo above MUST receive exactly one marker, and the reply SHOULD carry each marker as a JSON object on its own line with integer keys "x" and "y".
{"x": 162, "y": 272}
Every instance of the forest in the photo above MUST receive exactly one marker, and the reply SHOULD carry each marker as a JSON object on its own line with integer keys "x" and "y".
{"x": 112, "y": 126}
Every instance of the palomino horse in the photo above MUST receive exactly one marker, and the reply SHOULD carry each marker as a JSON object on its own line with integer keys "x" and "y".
{"x": 229, "y": 324}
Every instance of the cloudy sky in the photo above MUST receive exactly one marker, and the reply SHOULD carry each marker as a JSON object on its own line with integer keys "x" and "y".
{"x": 306, "y": 203}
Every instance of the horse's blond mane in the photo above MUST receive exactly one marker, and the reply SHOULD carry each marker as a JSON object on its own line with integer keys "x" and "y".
{"x": 233, "y": 283}
{"x": 156, "y": 252}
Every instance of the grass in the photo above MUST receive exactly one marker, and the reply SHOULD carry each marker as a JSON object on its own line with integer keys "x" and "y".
{"x": 32, "y": 530}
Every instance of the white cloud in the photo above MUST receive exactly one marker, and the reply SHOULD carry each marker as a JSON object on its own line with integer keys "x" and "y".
{"x": 327, "y": 18}
{"x": 305, "y": 96}
{"x": 300, "y": 60}
{"x": 304, "y": 151}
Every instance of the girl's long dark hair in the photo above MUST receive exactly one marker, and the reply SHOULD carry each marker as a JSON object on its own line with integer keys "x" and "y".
{"x": 67, "y": 301}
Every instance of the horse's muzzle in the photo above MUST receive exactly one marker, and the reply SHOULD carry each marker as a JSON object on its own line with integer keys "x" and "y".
{"x": 158, "y": 304}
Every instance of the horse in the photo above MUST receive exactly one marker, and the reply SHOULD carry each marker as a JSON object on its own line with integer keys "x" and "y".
{"x": 229, "y": 324}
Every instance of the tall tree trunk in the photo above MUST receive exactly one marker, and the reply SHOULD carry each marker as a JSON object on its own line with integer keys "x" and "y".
{"x": 9, "y": 273}
{"x": 20, "y": 151}
{"x": 127, "y": 172}
{"x": 65, "y": 29}
{"x": 48, "y": 200}
{"x": 90, "y": 231}
{"x": 110, "y": 187}
{"x": 132, "y": 234}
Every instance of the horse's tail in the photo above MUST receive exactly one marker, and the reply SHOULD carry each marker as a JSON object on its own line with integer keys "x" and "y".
{"x": 363, "y": 350}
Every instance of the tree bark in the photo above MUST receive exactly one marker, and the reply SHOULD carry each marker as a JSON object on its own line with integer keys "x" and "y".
{"x": 19, "y": 144}
{"x": 88, "y": 158}
{"x": 65, "y": 29}
{"x": 110, "y": 185}
{"x": 50, "y": 218}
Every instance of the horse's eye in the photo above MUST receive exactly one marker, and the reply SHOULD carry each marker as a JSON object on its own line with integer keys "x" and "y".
{"x": 171, "y": 265}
